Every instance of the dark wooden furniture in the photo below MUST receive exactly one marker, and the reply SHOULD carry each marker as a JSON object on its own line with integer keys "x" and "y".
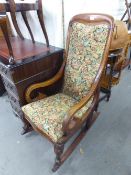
{"x": 110, "y": 76}
{"x": 8, "y": 26}
{"x": 31, "y": 61}
{"x": 117, "y": 59}
{"x": 128, "y": 13}
{"x": 23, "y": 8}
{"x": 22, "y": 62}
{"x": 2, "y": 88}
{"x": 53, "y": 123}
{"x": 128, "y": 22}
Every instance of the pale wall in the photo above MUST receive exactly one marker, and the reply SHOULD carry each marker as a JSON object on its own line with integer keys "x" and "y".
{"x": 52, "y": 10}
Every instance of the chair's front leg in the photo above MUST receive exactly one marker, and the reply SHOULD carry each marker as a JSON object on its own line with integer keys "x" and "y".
{"x": 27, "y": 126}
{"x": 58, "y": 149}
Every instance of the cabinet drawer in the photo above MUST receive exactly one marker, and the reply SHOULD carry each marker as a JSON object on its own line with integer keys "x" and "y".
{"x": 36, "y": 67}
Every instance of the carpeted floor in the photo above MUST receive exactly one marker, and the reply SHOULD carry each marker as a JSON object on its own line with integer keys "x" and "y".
{"x": 106, "y": 149}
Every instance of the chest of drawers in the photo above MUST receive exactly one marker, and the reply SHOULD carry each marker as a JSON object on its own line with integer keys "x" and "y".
{"x": 31, "y": 69}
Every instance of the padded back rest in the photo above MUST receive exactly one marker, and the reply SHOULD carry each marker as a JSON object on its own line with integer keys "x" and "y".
{"x": 87, "y": 43}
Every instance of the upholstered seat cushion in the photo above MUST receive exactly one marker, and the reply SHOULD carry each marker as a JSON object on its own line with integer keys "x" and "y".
{"x": 48, "y": 114}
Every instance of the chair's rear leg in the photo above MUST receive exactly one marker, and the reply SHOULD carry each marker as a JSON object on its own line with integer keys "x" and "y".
{"x": 108, "y": 96}
{"x": 97, "y": 106}
{"x": 79, "y": 137}
{"x": 58, "y": 149}
{"x": 91, "y": 120}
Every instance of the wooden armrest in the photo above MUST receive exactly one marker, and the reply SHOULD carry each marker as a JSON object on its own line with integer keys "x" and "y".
{"x": 71, "y": 114}
{"x": 49, "y": 82}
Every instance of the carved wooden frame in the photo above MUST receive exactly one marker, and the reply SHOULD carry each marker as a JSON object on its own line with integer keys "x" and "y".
{"x": 71, "y": 124}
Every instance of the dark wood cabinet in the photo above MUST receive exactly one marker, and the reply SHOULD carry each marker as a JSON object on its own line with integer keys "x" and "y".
{"x": 2, "y": 88}
{"x": 32, "y": 69}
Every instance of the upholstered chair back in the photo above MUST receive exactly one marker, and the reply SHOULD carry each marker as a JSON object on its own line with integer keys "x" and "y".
{"x": 86, "y": 46}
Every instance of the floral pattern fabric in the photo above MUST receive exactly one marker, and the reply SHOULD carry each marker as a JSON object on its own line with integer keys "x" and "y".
{"x": 86, "y": 48}
{"x": 48, "y": 114}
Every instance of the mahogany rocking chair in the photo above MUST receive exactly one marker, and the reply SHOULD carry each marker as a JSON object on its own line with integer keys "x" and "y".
{"x": 74, "y": 109}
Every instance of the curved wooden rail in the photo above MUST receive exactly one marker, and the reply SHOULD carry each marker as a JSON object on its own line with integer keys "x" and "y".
{"x": 3, "y": 25}
{"x": 13, "y": 16}
{"x": 23, "y": 13}
{"x": 41, "y": 20}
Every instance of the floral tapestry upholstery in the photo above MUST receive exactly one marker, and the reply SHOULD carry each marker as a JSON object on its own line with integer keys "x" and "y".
{"x": 86, "y": 47}
{"x": 48, "y": 114}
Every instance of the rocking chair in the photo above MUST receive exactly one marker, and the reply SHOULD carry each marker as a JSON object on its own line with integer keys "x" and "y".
{"x": 74, "y": 109}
